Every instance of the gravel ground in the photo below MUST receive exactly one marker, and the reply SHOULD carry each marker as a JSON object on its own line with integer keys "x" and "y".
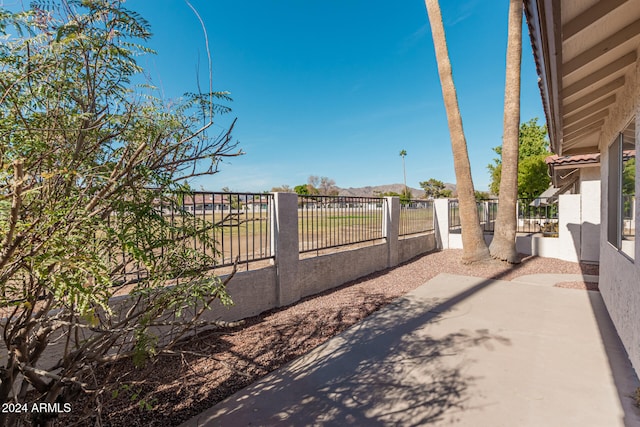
{"x": 219, "y": 363}
{"x": 587, "y": 286}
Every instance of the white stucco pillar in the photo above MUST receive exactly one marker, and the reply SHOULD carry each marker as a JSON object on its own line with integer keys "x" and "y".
{"x": 441, "y": 222}
{"x": 590, "y": 208}
{"x": 391, "y": 221}
{"x": 569, "y": 227}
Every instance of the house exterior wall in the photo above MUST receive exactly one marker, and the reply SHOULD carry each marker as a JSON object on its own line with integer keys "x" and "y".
{"x": 620, "y": 275}
{"x": 590, "y": 212}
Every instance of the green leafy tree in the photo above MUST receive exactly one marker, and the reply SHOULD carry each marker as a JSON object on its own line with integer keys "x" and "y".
{"x": 481, "y": 195}
{"x": 88, "y": 172}
{"x": 405, "y": 197}
{"x": 628, "y": 186}
{"x": 629, "y": 177}
{"x": 434, "y": 188}
{"x": 302, "y": 190}
{"x": 533, "y": 177}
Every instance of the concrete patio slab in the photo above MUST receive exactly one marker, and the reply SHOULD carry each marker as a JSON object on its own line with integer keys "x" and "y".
{"x": 457, "y": 351}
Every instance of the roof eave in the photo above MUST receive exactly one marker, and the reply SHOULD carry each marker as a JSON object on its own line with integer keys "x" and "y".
{"x": 543, "y": 20}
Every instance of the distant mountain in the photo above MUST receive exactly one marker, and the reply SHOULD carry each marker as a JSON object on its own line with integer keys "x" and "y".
{"x": 375, "y": 191}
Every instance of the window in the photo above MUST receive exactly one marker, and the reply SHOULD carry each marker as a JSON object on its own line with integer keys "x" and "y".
{"x": 621, "y": 192}
{"x": 613, "y": 193}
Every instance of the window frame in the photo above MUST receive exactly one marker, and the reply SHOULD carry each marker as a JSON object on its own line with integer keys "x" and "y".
{"x": 614, "y": 193}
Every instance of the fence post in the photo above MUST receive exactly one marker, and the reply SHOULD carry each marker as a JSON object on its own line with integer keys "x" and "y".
{"x": 441, "y": 222}
{"x": 391, "y": 230}
{"x": 285, "y": 244}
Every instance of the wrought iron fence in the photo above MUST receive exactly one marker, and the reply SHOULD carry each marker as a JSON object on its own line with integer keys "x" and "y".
{"x": 628, "y": 216}
{"x": 416, "y": 216}
{"x": 487, "y": 213}
{"x": 454, "y": 215}
{"x": 332, "y": 221}
{"x": 238, "y": 223}
{"x": 538, "y": 215}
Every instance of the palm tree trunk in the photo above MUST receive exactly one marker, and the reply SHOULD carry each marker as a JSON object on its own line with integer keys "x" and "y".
{"x": 404, "y": 172}
{"x": 473, "y": 244}
{"x": 503, "y": 246}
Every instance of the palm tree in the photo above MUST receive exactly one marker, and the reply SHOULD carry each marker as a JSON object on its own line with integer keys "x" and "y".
{"x": 503, "y": 245}
{"x": 473, "y": 244}
{"x": 404, "y": 171}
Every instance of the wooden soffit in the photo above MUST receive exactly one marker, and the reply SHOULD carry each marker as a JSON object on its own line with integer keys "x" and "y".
{"x": 584, "y": 51}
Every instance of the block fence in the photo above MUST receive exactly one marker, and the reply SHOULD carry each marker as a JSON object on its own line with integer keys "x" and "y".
{"x": 291, "y": 277}
{"x": 578, "y": 231}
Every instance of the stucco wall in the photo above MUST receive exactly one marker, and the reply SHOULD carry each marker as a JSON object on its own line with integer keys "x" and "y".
{"x": 251, "y": 291}
{"x": 410, "y": 247}
{"x": 620, "y": 289}
{"x": 590, "y": 208}
{"x": 324, "y": 272}
{"x": 620, "y": 275}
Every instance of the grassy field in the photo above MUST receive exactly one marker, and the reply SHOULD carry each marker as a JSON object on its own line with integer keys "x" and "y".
{"x": 246, "y": 235}
{"x": 416, "y": 221}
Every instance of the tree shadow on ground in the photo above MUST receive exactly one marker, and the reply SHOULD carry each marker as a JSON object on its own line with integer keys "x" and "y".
{"x": 386, "y": 370}
{"x": 216, "y": 364}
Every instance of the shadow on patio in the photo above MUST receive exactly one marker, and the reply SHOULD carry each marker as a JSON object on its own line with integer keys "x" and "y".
{"x": 458, "y": 350}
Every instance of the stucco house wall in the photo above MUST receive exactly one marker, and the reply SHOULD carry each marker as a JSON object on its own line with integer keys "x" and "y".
{"x": 619, "y": 274}
{"x": 590, "y": 212}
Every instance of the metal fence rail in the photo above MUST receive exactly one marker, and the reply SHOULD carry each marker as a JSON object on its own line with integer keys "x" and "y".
{"x": 416, "y": 216}
{"x": 628, "y": 216}
{"x": 533, "y": 215}
{"x": 240, "y": 224}
{"x": 538, "y": 215}
{"x": 487, "y": 212}
{"x": 454, "y": 214}
{"x": 332, "y": 221}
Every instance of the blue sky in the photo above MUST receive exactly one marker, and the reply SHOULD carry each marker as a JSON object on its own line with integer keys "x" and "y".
{"x": 338, "y": 87}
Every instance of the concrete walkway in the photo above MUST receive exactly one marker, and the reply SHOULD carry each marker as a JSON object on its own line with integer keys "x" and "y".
{"x": 458, "y": 351}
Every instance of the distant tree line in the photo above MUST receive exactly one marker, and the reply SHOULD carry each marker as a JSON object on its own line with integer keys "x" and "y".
{"x": 315, "y": 186}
